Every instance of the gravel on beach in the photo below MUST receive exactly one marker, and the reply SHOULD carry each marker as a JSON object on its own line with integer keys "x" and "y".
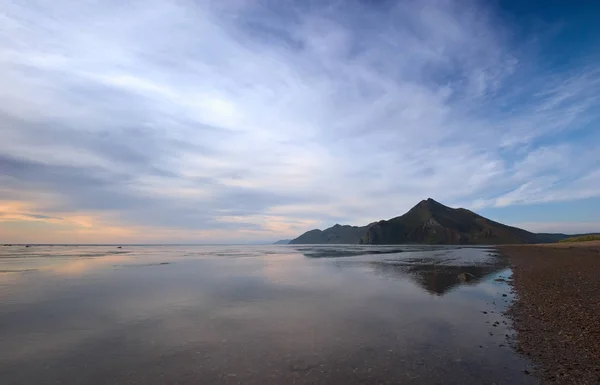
{"x": 557, "y": 312}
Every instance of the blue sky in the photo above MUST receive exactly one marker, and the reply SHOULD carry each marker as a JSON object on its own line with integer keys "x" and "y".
{"x": 241, "y": 121}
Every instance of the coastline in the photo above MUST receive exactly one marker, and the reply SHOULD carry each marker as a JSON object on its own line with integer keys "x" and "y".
{"x": 557, "y": 310}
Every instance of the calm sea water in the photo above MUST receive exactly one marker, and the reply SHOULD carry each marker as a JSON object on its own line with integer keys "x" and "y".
{"x": 254, "y": 315}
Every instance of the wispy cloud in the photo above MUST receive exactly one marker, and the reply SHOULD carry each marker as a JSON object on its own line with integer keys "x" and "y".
{"x": 261, "y": 119}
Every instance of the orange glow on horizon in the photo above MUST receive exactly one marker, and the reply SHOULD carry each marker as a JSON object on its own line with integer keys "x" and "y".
{"x": 22, "y": 222}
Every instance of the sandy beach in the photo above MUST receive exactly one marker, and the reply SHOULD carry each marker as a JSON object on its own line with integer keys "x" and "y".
{"x": 558, "y": 309}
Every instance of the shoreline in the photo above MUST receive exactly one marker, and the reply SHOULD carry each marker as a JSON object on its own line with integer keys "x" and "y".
{"x": 557, "y": 309}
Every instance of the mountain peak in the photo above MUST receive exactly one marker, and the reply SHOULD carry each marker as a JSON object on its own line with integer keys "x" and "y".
{"x": 428, "y": 204}
{"x": 428, "y": 222}
{"x": 432, "y": 201}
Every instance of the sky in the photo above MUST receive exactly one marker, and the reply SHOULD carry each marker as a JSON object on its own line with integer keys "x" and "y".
{"x": 236, "y": 121}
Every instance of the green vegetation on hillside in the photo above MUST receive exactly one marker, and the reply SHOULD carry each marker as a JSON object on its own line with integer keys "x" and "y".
{"x": 584, "y": 238}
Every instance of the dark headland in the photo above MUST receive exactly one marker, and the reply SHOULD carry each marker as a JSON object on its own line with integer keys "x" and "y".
{"x": 428, "y": 222}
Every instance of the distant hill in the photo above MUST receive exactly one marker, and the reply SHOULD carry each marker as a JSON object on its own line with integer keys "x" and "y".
{"x": 334, "y": 235}
{"x": 282, "y": 242}
{"x": 582, "y": 238}
{"x": 429, "y": 222}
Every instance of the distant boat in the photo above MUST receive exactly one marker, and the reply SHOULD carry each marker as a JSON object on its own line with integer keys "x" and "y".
{"x": 119, "y": 247}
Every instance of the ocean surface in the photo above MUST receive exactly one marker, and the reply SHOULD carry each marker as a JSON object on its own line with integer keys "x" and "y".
{"x": 255, "y": 315}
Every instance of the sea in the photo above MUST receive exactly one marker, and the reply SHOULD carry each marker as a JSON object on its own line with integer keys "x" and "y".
{"x": 275, "y": 314}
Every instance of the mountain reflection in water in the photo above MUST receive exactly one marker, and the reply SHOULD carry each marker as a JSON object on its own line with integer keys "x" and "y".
{"x": 437, "y": 271}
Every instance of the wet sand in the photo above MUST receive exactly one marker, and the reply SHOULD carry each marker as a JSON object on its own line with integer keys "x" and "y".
{"x": 557, "y": 314}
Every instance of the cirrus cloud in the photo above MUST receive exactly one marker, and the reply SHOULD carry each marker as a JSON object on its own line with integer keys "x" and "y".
{"x": 237, "y": 121}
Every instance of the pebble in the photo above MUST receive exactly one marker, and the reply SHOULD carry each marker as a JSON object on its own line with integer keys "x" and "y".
{"x": 552, "y": 282}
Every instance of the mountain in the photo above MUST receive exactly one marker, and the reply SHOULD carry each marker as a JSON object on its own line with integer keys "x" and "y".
{"x": 432, "y": 222}
{"x": 429, "y": 222}
{"x": 333, "y": 235}
{"x": 282, "y": 242}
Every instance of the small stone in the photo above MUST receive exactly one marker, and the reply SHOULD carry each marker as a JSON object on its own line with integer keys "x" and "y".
{"x": 466, "y": 277}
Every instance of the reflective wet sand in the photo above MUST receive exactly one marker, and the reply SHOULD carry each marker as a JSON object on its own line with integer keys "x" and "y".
{"x": 255, "y": 315}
